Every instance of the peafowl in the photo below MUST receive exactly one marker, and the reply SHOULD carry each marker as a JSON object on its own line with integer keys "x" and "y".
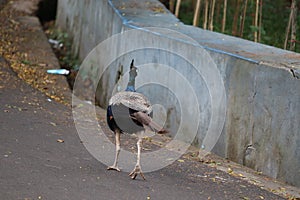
{"x": 129, "y": 111}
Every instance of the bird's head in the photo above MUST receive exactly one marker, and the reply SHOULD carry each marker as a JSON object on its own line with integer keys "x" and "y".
{"x": 133, "y": 70}
{"x": 132, "y": 75}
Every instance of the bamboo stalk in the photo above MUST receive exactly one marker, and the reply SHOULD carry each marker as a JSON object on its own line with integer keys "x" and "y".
{"x": 224, "y": 16}
{"x": 260, "y": 20}
{"x": 288, "y": 27}
{"x": 235, "y": 18}
{"x": 243, "y": 18}
{"x": 256, "y": 20}
{"x": 211, "y": 15}
{"x": 217, "y": 12}
{"x": 205, "y": 15}
{"x": 171, "y": 5}
{"x": 293, "y": 28}
{"x": 177, "y": 8}
{"x": 196, "y": 14}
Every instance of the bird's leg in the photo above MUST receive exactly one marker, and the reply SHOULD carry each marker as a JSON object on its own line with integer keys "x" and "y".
{"x": 118, "y": 148}
{"x": 137, "y": 169}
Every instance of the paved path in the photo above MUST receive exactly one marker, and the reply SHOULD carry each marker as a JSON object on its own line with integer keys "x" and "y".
{"x": 33, "y": 165}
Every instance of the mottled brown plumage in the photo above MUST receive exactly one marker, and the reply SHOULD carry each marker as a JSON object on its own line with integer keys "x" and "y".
{"x": 134, "y": 100}
{"x": 129, "y": 111}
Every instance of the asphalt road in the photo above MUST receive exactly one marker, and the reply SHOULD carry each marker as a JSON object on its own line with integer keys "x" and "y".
{"x": 34, "y": 165}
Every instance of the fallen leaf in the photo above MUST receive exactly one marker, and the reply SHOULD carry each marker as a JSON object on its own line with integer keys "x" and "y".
{"x": 42, "y": 64}
{"x": 26, "y": 62}
{"x": 282, "y": 189}
{"x": 60, "y": 141}
{"x": 14, "y": 22}
{"x": 53, "y": 124}
{"x": 180, "y": 160}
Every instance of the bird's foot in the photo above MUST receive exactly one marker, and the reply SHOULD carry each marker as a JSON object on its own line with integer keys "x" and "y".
{"x": 113, "y": 168}
{"x": 137, "y": 170}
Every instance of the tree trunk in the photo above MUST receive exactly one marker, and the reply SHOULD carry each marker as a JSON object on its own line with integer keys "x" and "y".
{"x": 260, "y": 20}
{"x": 256, "y": 20}
{"x": 294, "y": 26}
{"x": 177, "y": 8}
{"x": 243, "y": 18}
{"x": 205, "y": 15}
{"x": 171, "y": 5}
{"x": 211, "y": 15}
{"x": 224, "y": 16}
{"x": 235, "y": 18}
{"x": 289, "y": 24}
{"x": 196, "y": 14}
{"x": 217, "y": 12}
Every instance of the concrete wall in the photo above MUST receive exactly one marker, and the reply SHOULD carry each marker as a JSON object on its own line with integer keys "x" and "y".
{"x": 261, "y": 82}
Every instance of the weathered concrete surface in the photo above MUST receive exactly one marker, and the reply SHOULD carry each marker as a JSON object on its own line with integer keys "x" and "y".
{"x": 261, "y": 82}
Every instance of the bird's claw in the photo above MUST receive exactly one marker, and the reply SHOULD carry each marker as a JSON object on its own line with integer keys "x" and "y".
{"x": 113, "y": 168}
{"x": 137, "y": 170}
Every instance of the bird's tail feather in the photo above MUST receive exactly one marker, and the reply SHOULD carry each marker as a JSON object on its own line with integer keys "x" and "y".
{"x": 148, "y": 123}
{"x": 157, "y": 128}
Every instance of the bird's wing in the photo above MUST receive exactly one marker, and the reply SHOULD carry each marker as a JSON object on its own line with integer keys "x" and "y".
{"x": 133, "y": 100}
{"x": 148, "y": 123}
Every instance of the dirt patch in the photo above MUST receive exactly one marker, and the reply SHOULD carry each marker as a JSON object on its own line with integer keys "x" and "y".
{"x": 26, "y": 7}
{"x": 24, "y": 45}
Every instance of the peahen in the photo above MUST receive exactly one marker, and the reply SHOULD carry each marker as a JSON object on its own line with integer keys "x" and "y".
{"x": 129, "y": 111}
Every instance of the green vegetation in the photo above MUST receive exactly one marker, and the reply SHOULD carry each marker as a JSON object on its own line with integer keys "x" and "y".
{"x": 63, "y": 49}
{"x": 274, "y": 15}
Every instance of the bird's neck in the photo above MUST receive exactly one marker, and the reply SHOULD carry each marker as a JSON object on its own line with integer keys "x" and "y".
{"x": 131, "y": 84}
